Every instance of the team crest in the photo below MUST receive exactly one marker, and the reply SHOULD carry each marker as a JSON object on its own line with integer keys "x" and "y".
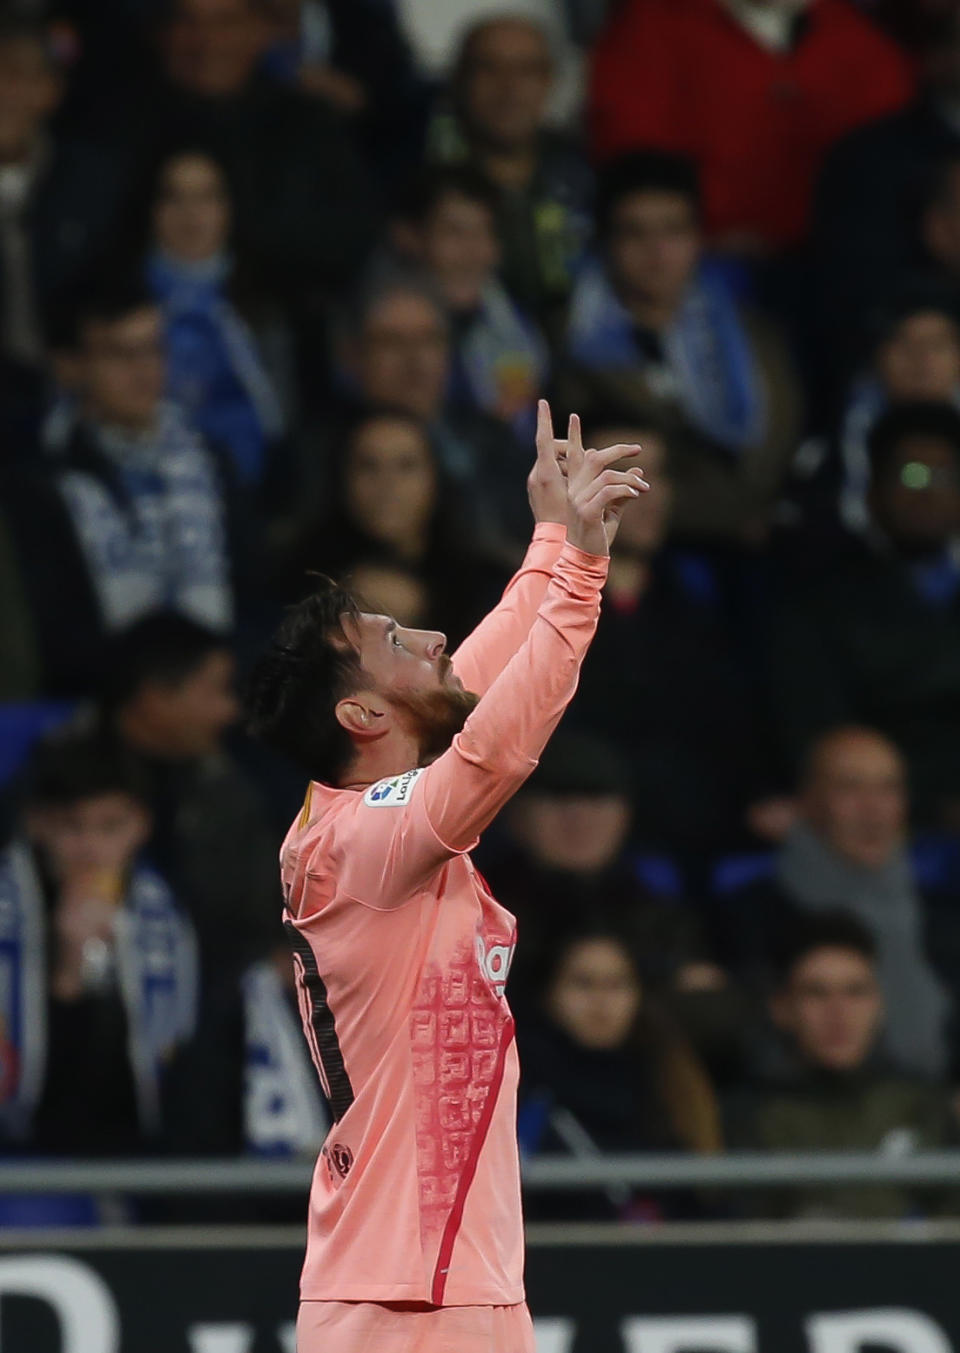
{"x": 340, "y": 1158}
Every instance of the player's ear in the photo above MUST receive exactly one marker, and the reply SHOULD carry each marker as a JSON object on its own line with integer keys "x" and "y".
{"x": 361, "y": 719}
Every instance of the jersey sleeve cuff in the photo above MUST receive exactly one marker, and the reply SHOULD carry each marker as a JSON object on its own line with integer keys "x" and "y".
{"x": 554, "y": 531}
{"x": 592, "y": 567}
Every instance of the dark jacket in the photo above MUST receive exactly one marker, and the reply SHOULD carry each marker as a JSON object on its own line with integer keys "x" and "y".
{"x": 868, "y": 649}
{"x": 649, "y": 1094}
{"x": 60, "y": 619}
{"x": 213, "y": 840}
{"x": 663, "y": 682}
{"x": 867, "y": 211}
{"x": 864, "y": 1110}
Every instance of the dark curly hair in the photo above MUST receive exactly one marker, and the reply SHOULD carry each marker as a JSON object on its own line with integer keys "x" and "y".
{"x": 309, "y": 665}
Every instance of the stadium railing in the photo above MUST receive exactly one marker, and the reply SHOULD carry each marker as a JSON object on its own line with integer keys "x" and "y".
{"x": 736, "y": 1170}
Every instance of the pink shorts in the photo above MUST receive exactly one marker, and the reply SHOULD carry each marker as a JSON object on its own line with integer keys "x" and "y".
{"x": 368, "y": 1327}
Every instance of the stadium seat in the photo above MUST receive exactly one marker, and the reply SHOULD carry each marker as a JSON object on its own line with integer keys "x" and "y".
{"x": 936, "y": 862}
{"x": 23, "y": 1210}
{"x": 659, "y": 874}
{"x": 733, "y": 872}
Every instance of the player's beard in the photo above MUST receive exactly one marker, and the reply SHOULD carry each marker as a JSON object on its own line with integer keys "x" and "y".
{"x": 435, "y": 717}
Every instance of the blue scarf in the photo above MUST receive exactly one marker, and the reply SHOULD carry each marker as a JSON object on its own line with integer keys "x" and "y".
{"x": 937, "y": 579}
{"x": 868, "y": 400}
{"x": 215, "y": 371}
{"x": 156, "y": 975}
{"x": 148, "y": 515}
{"x": 706, "y": 351}
{"x": 284, "y": 1113}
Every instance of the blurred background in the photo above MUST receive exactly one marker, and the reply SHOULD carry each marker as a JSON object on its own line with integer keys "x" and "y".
{"x": 281, "y": 282}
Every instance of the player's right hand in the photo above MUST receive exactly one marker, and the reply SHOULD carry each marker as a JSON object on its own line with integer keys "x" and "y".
{"x": 546, "y": 485}
{"x": 596, "y": 493}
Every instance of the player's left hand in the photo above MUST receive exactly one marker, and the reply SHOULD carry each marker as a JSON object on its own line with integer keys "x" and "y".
{"x": 546, "y": 485}
{"x": 621, "y": 456}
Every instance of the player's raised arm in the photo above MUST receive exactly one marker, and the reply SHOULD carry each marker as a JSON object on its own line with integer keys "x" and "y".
{"x": 483, "y": 655}
{"x": 447, "y": 804}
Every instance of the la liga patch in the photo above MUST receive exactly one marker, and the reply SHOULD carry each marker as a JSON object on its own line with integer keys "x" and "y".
{"x": 393, "y": 793}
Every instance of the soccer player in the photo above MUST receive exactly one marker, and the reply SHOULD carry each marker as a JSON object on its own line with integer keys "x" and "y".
{"x": 415, "y": 1240}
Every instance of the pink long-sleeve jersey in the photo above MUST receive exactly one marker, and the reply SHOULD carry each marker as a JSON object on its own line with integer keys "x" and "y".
{"x": 401, "y": 955}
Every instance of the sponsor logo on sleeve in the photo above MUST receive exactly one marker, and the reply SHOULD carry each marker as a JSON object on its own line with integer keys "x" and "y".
{"x": 393, "y": 793}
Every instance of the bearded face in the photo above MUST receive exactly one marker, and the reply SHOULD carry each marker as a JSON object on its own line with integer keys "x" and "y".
{"x": 435, "y": 717}
{"x": 410, "y": 669}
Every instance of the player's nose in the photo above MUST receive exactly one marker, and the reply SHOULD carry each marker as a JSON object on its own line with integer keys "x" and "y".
{"x": 435, "y": 644}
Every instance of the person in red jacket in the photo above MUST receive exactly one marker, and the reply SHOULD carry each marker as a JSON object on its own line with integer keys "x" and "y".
{"x": 756, "y": 91}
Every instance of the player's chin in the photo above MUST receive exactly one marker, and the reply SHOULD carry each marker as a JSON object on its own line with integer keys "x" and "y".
{"x": 464, "y": 700}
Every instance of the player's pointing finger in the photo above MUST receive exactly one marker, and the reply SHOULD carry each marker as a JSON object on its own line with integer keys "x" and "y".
{"x": 574, "y": 445}
{"x": 544, "y": 429}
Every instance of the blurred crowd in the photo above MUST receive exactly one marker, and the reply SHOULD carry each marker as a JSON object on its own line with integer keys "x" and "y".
{"x": 281, "y": 282}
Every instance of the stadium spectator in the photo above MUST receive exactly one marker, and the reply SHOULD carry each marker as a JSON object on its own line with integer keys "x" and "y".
{"x": 877, "y": 644}
{"x": 60, "y": 196}
{"x": 755, "y": 90}
{"x": 831, "y": 1090}
{"x": 141, "y": 490}
{"x": 914, "y": 355}
{"x": 396, "y": 354}
{"x": 437, "y": 33}
{"x": 849, "y": 849}
{"x": 866, "y": 221}
{"x": 169, "y": 700}
{"x": 602, "y": 1071}
{"x": 303, "y": 197}
{"x": 390, "y": 503}
{"x": 101, "y": 973}
{"x": 567, "y": 861}
{"x": 128, "y": 511}
{"x": 245, "y": 1082}
{"x": 653, "y": 328}
{"x": 662, "y": 645}
{"x": 499, "y": 92}
{"x": 447, "y": 226}
{"x": 218, "y": 355}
